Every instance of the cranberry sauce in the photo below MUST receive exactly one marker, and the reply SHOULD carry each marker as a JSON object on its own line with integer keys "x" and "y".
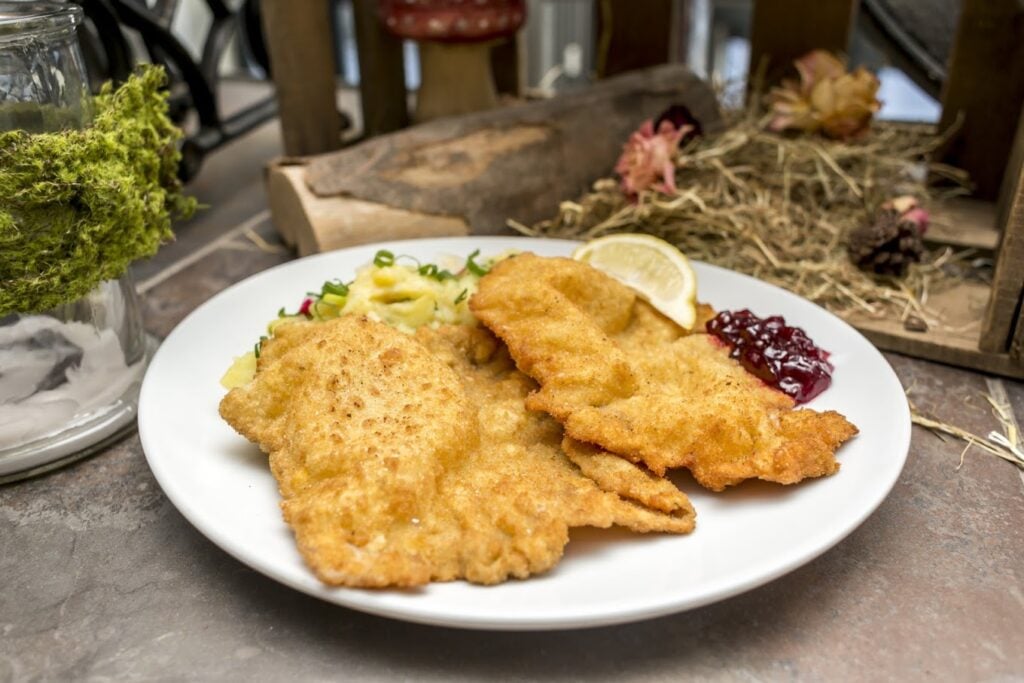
{"x": 781, "y": 356}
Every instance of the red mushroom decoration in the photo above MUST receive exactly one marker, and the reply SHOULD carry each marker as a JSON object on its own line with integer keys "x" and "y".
{"x": 455, "y": 39}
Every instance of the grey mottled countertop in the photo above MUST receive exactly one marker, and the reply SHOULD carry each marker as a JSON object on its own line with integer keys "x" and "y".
{"x": 104, "y": 580}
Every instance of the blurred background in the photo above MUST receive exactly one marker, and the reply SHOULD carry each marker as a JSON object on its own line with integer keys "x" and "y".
{"x": 217, "y": 53}
{"x": 223, "y": 93}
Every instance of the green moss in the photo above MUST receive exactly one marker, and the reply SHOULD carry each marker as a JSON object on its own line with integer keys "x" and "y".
{"x": 78, "y": 206}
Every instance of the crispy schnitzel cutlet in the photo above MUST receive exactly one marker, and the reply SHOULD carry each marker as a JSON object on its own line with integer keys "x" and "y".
{"x": 405, "y": 460}
{"x": 620, "y": 376}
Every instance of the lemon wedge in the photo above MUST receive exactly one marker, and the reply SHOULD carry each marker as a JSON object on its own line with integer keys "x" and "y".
{"x": 660, "y": 273}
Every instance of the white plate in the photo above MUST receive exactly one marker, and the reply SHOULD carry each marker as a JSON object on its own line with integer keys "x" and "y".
{"x": 745, "y": 537}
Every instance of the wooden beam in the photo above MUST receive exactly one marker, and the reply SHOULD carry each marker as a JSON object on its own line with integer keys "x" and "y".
{"x": 300, "y": 47}
{"x": 1017, "y": 342}
{"x": 1003, "y": 311}
{"x": 633, "y": 35}
{"x": 508, "y": 65}
{"x": 381, "y": 72}
{"x": 985, "y": 87}
{"x": 784, "y": 30}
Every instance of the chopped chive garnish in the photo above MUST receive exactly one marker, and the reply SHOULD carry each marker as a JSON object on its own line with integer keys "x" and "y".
{"x": 474, "y": 267}
{"x": 432, "y": 271}
{"x": 281, "y": 313}
{"x": 259, "y": 345}
{"x": 383, "y": 258}
{"x": 462, "y": 296}
{"x": 339, "y": 288}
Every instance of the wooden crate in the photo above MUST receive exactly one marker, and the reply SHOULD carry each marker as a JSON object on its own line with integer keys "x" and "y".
{"x": 983, "y": 96}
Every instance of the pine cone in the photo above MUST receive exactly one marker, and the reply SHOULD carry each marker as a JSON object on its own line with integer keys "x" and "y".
{"x": 888, "y": 245}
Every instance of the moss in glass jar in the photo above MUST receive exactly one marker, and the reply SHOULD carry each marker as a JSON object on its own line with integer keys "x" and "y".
{"x": 78, "y": 206}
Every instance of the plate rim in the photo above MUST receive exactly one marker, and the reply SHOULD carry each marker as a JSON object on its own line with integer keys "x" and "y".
{"x": 359, "y": 599}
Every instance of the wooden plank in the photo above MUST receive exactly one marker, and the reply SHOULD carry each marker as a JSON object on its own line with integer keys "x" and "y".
{"x": 964, "y": 222}
{"x": 633, "y": 35}
{"x": 381, "y": 72}
{"x": 300, "y": 47}
{"x": 1008, "y": 280}
{"x": 984, "y": 90}
{"x": 784, "y": 30}
{"x": 894, "y": 339}
{"x": 955, "y": 342}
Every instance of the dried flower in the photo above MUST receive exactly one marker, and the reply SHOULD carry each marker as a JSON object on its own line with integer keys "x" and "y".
{"x": 909, "y": 210}
{"x": 648, "y": 158}
{"x": 827, "y": 98}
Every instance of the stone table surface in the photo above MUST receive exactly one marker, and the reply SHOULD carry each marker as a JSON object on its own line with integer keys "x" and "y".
{"x": 104, "y": 580}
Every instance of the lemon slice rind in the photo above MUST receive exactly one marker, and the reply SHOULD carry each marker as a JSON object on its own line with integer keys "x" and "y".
{"x": 656, "y": 270}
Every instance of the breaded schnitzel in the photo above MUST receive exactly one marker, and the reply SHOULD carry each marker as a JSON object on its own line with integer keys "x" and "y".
{"x": 492, "y": 382}
{"x": 619, "y": 375}
{"x": 405, "y": 460}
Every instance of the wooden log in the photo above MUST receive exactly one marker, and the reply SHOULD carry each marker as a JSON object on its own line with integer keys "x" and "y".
{"x": 516, "y": 162}
{"x": 985, "y": 87}
{"x": 315, "y": 224}
{"x": 300, "y": 47}
{"x": 784, "y": 30}
{"x": 381, "y": 72}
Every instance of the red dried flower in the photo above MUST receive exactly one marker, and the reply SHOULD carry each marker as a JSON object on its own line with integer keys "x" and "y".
{"x": 648, "y": 158}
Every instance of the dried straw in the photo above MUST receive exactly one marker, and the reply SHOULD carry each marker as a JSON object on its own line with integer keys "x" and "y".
{"x": 780, "y": 207}
{"x": 995, "y": 443}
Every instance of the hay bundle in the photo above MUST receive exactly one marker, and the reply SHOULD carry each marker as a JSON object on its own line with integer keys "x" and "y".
{"x": 781, "y": 207}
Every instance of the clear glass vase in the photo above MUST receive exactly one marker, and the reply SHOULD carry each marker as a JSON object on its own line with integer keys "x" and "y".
{"x": 70, "y": 376}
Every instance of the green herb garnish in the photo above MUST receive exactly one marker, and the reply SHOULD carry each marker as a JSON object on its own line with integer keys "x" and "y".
{"x": 338, "y": 288}
{"x": 259, "y": 346}
{"x": 383, "y": 259}
{"x": 474, "y": 267}
{"x": 461, "y": 297}
{"x": 432, "y": 271}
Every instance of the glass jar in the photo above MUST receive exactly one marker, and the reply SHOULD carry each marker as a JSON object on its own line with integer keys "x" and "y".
{"x": 70, "y": 376}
